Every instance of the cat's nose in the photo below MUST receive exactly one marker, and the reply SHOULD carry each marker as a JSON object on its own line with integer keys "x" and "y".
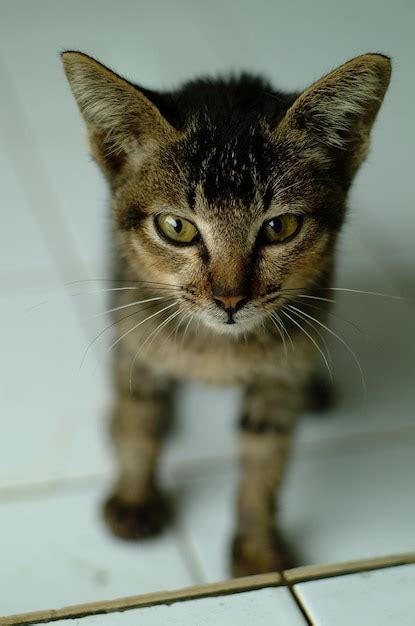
{"x": 232, "y": 303}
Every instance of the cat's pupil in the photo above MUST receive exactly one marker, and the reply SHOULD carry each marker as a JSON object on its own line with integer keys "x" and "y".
{"x": 276, "y": 225}
{"x": 177, "y": 225}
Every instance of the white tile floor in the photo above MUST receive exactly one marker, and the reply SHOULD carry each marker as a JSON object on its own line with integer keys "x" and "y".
{"x": 382, "y": 597}
{"x": 56, "y": 552}
{"x": 349, "y": 492}
{"x": 260, "y": 607}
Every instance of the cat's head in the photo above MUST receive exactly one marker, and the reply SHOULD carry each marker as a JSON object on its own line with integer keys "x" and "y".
{"x": 226, "y": 188}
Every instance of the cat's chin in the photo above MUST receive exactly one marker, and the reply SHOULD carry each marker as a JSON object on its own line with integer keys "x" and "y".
{"x": 237, "y": 329}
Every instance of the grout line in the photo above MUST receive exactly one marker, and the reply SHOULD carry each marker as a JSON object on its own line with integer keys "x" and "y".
{"x": 315, "y": 573}
{"x": 299, "y": 603}
{"x": 310, "y": 573}
{"x": 190, "y": 555}
{"x": 10, "y": 493}
{"x": 228, "y": 587}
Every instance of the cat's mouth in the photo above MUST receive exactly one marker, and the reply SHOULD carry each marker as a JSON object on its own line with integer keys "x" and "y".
{"x": 230, "y": 322}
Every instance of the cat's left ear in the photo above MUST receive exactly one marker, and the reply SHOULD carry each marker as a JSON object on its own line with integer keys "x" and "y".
{"x": 337, "y": 112}
{"x": 123, "y": 124}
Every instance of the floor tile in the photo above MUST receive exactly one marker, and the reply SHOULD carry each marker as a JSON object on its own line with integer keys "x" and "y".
{"x": 32, "y": 177}
{"x": 205, "y": 425}
{"x": 54, "y": 413}
{"x": 55, "y": 551}
{"x": 379, "y": 598}
{"x": 386, "y": 336}
{"x": 24, "y": 250}
{"x": 58, "y": 402}
{"x": 351, "y": 502}
{"x": 261, "y": 608}
{"x": 339, "y": 503}
{"x": 206, "y": 510}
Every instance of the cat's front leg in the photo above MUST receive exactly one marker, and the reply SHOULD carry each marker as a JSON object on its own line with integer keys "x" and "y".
{"x": 267, "y": 426}
{"x": 137, "y": 508}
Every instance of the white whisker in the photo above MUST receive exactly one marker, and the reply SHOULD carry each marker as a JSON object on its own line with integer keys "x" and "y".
{"x": 186, "y": 329}
{"x": 155, "y": 332}
{"x": 180, "y": 322}
{"x": 276, "y": 321}
{"x": 117, "y": 280}
{"x": 370, "y": 293}
{"x": 125, "y": 306}
{"x": 341, "y": 341}
{"x": 337, "y": 316}
{"x": 149, "y": 317}
{"x": 108, "y": 289}
{"x": 153, "y": 335}
{"x": 303, "y": 295}
{"x": 285, "y": 330}
{"x": 311, "y": 339}
{"x": 319, "y": 334}
{"x": 91, "y": 343}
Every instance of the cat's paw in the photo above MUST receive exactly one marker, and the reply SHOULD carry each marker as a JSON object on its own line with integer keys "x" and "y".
{"x": 252, "y": 555}
{"x": 137, "y": 521}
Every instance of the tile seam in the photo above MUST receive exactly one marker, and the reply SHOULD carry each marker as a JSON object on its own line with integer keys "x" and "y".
{"x": 229, "y": 587}
{"x": 233, "y": 586}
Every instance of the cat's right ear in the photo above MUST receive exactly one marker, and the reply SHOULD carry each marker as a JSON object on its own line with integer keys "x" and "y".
{"x": 332, "y": 119}
{"x": 123, "y": 124}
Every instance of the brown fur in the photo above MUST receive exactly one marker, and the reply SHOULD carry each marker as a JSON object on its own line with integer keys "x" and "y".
{"x": 314, "y": 143}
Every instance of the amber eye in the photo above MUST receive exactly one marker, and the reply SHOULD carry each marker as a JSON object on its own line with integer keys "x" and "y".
{"x": 176, "y": 229}
{"x": 281, "y": 228}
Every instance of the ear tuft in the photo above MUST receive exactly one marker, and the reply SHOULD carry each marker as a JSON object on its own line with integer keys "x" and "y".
{"x": 338, "y": 111}
{"x": 102, "y": 95}
{"x": 120, "y": 119}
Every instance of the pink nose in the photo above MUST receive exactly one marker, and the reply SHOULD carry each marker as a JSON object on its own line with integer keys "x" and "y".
{"x": 229, "y": 302}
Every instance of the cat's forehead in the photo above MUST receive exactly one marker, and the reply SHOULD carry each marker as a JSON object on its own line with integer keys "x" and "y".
{"x": 228, "y": 162}
{"x": 247, "y": 169}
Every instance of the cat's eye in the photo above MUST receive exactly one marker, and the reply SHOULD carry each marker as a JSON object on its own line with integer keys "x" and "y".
{"x": 176, "y": 229}
{"x": 282, "y": 228}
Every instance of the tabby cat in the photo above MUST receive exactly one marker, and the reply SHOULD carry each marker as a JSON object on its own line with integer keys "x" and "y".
{"x": 227, "y": 200}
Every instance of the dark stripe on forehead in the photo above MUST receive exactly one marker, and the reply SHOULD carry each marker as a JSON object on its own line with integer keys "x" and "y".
{"x": 191, "y": 195}
{"x": 228, "y": 163}
{"x": 267, "y": 197}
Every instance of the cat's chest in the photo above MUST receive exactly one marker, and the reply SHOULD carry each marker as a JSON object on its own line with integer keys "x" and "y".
{"x": 218, "y": 364}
